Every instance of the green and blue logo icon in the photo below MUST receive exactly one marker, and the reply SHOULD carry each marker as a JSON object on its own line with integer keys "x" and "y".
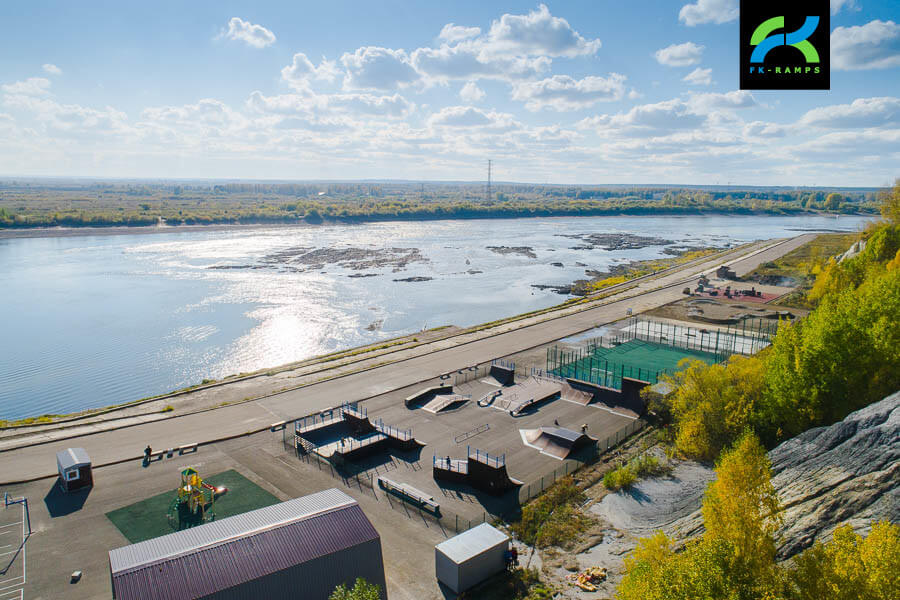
{"x": 785, "y": 45}
{"x": 799, "y": 39}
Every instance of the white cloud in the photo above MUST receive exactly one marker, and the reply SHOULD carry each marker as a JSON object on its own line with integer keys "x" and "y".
{"x": 515, "y": 47}
{"x": 377, "y": 68}
{"x": 324, "y": 105}
{"x": 679, "y": 55}
{"x": 457, "y": 33}
{"x": 52, "y": 69}
{"x": 875, "y": 45}
{"x": 70, "y": 119}
{"x": 838, "y": 5}
{"x": 709, "y": 11}
{"x": 713, "y": 101}
{"x": 647, "y": 119}
{"x": 763, "y": 129}
{"x": 301, "y": 70}
{"x": 537, "y": 33}
{"x": 471, "y": 117}
{"x": 256, "y": 36}
{"x": 33, "y": 86}
{"x": 857, "y": 144}
{"x": 562, "y": 92}
{"x": 465, "y": 61}
{"x": 368, "y": 104}
{"x": 861, "y": 113}
{"x": 471, "y": 92}
{"x": 207, "y": 112}
{"x": 709, "y": 116}
{"x": 699, "y": 76}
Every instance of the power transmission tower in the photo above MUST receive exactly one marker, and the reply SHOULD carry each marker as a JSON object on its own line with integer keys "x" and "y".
{"x": 489, "y": 181}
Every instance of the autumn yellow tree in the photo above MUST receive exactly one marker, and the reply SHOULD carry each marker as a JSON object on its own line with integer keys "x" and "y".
{"x": 890, "y": 204}
{"x": 713, "y": 404}
{"x": 850, "y": 567}
{"x": 741, "y": 507}
{"x": 735, "y": 558}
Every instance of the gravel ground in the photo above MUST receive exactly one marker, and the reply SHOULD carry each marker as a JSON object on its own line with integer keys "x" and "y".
{"x": 649, "y": 505}
{"x": 658, "y": 502}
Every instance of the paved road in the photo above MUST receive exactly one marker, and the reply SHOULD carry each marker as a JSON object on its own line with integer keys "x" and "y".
{"x": 35, "y": 461}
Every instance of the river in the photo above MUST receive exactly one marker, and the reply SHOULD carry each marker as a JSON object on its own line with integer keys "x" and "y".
{"x": 90, "y": 321}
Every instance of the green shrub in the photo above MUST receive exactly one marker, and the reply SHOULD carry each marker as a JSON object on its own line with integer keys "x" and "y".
{"x": 645, "y": 465}
{"x": 620, "y": 478}
{"x": 553, "y": 517}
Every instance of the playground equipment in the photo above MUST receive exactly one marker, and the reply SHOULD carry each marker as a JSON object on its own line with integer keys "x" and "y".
{"x": 588, "y": 579}
{"x": 195, "y": 502}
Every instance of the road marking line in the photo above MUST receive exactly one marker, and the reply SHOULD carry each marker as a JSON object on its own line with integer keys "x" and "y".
{"x": 14, "y": 584}
{"x": 10, "y": 524}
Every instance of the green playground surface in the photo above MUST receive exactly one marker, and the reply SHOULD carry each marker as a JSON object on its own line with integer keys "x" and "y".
{"x": 638, "y": 359}
{"x": 147, "y": 519}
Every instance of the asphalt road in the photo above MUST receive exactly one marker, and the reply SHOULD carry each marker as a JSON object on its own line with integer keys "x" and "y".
{"x": 108, "y": 446}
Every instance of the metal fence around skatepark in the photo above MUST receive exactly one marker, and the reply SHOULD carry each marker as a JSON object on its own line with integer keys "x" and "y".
{"x": 458, "y": 523}
{"x": 467, "y": 374}
{"x": 446, "y": 518}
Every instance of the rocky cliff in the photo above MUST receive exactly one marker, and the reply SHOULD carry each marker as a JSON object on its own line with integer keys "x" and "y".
{"x": 847, "y": 472}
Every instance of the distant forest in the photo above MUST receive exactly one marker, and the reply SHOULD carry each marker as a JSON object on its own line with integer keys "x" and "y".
{"x": 45, "y": 203}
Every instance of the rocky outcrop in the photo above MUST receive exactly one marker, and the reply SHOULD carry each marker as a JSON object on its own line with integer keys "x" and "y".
{"x": 847, "y": 472}
{"x": 857, "y": 247}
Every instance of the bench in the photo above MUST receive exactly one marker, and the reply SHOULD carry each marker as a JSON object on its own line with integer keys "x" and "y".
{"x": 409, "y": 494}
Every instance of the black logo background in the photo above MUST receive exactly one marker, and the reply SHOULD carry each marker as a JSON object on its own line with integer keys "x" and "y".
{"x": 753, "y": 13}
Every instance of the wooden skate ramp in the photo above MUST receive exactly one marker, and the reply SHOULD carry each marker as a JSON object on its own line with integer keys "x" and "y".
{"x": 557, "y": 442}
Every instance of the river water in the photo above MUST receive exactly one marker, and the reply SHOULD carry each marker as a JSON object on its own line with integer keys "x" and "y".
{"x": 89, "y": 321}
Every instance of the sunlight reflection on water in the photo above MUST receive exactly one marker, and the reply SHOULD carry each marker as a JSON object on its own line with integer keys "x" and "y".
{"x": 107, "y": 319}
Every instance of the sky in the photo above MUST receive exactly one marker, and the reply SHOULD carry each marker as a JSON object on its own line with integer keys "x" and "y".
{"x": 589, "y": 92}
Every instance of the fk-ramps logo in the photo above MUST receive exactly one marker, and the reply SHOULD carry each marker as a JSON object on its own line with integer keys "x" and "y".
{"x": 785, "y": 45}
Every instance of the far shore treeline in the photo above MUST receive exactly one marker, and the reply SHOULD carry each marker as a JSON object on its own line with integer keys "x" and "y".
{"x": 45, "y": 203}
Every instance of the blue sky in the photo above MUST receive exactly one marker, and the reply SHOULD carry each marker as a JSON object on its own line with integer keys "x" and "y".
{"x": 597, "y": 92}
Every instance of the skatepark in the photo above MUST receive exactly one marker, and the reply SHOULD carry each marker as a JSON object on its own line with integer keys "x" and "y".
{"x": 430, "y": 445}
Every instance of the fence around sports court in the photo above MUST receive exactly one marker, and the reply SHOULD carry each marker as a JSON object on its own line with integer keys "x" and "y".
{"x": 647, "y": 349}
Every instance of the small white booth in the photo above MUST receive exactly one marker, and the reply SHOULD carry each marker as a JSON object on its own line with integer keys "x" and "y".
{"x": 74, "y": 466}
{"x": 471, "y": 557}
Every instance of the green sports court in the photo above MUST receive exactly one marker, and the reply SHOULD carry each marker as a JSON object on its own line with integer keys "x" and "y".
{"x": 638, "y": 359}
{"x": 646, "y": 350}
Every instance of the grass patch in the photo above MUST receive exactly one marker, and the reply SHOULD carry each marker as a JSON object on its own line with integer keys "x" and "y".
{"x": 147, "y": 519}
{"x": 802, "y": 264}
{"x": 645, "y": 465}
{"x": 553, "y": 518}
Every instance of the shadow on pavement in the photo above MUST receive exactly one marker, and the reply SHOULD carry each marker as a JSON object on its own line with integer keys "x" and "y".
{"x": 59, "y": 503}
